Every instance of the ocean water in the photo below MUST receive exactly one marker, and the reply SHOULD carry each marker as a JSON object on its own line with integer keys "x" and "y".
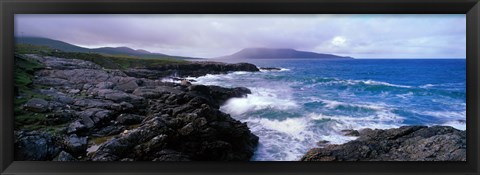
{"x": 313, "y": 100}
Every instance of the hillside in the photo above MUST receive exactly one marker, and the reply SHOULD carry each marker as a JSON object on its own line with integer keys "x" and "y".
{"x": 67, "y": 47}
{"x": 251, "y": 53}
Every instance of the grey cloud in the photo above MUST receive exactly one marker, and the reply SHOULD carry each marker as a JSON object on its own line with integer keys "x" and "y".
{"x": 415, "y": 36}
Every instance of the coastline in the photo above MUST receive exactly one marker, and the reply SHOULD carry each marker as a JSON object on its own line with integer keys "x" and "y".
{"x": 100, "y": 114}
{"x": 91, "y": 113}
{"x": 407, "y": 143}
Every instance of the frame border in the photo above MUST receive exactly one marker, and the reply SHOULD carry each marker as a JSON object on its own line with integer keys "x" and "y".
{"x": 9, "y": 7}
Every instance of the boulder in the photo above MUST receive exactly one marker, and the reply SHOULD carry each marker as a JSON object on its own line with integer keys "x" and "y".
{"x": 36, "y": 105}
{"x": 35, "y": 145}
{"x": 94, "y": 117}
{"x": 407, "y": 143}
{"x": 76, "y": 145}
{"x": 64, "y": 157}
{"x": 127, "y": 84}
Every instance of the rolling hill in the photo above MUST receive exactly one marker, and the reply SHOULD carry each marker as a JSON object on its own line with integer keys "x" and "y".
{"x": 67, "y": 47}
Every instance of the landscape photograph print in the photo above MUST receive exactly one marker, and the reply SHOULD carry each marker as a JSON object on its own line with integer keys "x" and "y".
{"x": 250, "y": 87}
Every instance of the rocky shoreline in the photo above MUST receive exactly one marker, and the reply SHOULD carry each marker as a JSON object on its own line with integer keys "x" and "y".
{"x": 96, "y": 114}
{"x": 407, "y": 143}
{"x": 76, "y": 110}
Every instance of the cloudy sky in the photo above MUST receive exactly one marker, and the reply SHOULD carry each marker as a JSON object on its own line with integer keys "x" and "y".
{"x": 359, "y": 36}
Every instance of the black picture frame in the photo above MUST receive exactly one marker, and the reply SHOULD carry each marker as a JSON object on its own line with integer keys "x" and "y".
{"x": 10, "y": 7}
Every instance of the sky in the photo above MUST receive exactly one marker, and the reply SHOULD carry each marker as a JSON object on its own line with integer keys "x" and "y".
{"x": 207, "y": 36}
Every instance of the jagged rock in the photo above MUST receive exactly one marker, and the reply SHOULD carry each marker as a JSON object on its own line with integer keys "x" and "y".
{"x": 350, "y": 132}
{"x": 108, "y": 131}
{"x": 176, "y": 122}
{"x": 130, "y": 119}
{"x": 36, "y": 105}
{"x": 122, "y": 107}
{"x": 216, "y": 94}
{"x": 76, "y": 145}
{"x": 194, "y": 69}
{"x": 77, "y": 127}
{"x": 35, "y": 145}
{"x": 64, "y": 157}
{"x": 95, "y": 117}
{"x": 170, "y": 155}
{"x": 407, "y": 143}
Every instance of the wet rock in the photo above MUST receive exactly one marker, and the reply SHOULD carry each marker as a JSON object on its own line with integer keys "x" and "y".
{"x": 36, "y": 105}
{"x": 35, "y": 145}
{"x": 216, "y": 94}
{"x": 322, "y": 143}
{"x": 350, "y": 132}
{"x": 185, "y": 83}
{"x": 407, "y": 143}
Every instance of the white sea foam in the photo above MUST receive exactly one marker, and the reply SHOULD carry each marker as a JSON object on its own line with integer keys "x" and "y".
{"x": 444, "y": 114}
{"x": 289, "y": 139}
{"x": 457, "y": 124}
{"x": 427, "y": 86}
{"x": 260, "y": 98}
{"x": 281, "y": 70}
{"x": 170, "y": 80}
{"x": 367, "y": 82}
{"x": 381, "y": 120}
{"x": 290, "y": 126}
{"x": 405, "y": 96}
{"x": 334, "y": 104}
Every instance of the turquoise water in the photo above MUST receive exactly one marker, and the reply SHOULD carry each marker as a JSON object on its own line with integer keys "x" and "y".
{"x": 313, "y": 100}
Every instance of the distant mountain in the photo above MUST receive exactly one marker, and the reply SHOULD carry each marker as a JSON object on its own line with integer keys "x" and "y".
{"x": 252, "y": 53}
{"x": 54, "y": 44}
{"x": 67, "y": 47}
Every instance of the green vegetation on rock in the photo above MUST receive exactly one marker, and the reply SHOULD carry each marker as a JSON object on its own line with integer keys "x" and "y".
{"x": 105, "y": 60}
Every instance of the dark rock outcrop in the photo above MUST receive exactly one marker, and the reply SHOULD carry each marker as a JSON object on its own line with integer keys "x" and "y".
{"x": 35, "y": 145}
{"x": 64, "y": 157}
{"x": 194, "y": 69}
{"x": 133, "y": 118}
{"x": 408, "y": 143}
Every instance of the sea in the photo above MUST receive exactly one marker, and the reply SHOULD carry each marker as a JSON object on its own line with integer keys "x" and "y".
{"x": 291, "y": 110}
